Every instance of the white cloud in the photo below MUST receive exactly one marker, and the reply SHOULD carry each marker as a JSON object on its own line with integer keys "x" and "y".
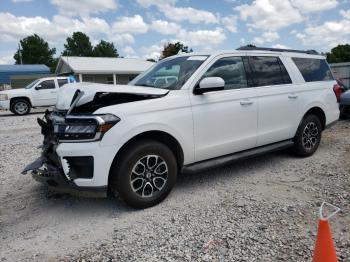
{"x": 311, "y": 6}
{"x": 270, "y": 14}
{"x": 190, "y": 14}
{"x": 55, "y": 31}
{"x": 230, "y": 22}
{"x": 148, "y": 3}
{"x": 153, "y": 51}
{"x": 21, "y": 1}
{"x": 327, "y": 35}
{"x": 84, "y": 7}
{"x": 266, "y": 37}
{"x": 129, "y": 51}
{"x": 133, "y": 24}
{"x": 12, "y": 28}
{"x": 122, "y": 39}
{"x": 345, "y": 14}
{"x": 202, "y": 37}
{"x": 165, "y": 27}
{"x": 168, "y": 8}
{"x": 6, "y": 58}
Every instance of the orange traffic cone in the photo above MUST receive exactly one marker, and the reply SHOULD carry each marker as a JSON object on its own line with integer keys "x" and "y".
{"x": 324, "y": 247}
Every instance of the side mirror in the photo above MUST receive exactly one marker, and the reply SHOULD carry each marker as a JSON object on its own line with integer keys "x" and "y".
{"x": 210, "y": 84}
{"x": 38, "y": 87}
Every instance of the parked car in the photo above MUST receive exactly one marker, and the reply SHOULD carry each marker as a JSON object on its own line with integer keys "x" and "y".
{"x": 133, "y": 140}
{"x": 40, "y": 92}
{"x": 343, "y": 95}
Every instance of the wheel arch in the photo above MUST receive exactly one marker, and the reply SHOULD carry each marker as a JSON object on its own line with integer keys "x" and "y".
{"x": 319, "y": 112}
{"x": 20, "y": 97}
{"x": 157, "y": 135}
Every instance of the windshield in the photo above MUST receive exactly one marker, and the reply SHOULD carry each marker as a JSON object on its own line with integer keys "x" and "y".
{"x": 32, "y": 84}
{"x": 170, "y": 74}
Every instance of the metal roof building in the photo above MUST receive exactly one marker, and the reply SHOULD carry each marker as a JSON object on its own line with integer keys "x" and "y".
{"x": 18, "y": 75}
{"x": 106, "y": 70}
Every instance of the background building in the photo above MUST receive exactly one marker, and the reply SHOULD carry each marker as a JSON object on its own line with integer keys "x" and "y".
{"x": 18, "y": 76}
{"x": 105, "y": 70}
{"x": 341, "y": 71}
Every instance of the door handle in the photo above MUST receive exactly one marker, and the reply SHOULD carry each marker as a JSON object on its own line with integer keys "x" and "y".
{"x": 53, "y": 92}
{"x": 293, "y": 96}
{"x": 246, "y": 102}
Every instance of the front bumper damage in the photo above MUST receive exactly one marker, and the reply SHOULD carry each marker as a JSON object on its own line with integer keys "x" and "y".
{"x": 48, "y": 168}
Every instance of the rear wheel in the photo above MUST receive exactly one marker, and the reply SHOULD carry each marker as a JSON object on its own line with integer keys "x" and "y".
{"x": 145, "y": 173}
{"x": 308, "y": 136}
{"x": 20, "y": 107}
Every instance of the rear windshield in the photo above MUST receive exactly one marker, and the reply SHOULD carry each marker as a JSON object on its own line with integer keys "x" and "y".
{"x": 313, "y": 69}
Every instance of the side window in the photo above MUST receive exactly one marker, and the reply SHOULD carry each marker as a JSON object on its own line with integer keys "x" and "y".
{"x": 313, "y": 69}
{"x": 48, "y": 84}
{"x": 267, "y": 70}
{"x": 62, "y": 82}
{"x": 230, "y": 69}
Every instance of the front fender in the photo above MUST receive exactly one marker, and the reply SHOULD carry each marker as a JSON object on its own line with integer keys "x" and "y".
{"x": 121, "y": 135}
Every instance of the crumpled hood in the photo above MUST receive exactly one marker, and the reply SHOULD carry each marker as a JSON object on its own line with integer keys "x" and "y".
{"x": 65, "y": 94}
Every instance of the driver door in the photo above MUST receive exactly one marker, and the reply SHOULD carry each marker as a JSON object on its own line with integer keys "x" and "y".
{"x": 45, "y": 93}
{"x": 225, "y": 121}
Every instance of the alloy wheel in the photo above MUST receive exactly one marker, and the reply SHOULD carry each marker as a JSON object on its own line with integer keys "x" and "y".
{"x": 149, "y": 175}
{"x": 310, "y": 136}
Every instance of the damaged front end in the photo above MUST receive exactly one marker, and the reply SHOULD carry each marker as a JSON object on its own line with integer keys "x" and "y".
{"x": 76, "y": 124}
{"x": 48, "y": 168}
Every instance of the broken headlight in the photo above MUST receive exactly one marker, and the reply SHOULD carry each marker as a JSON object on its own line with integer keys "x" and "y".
{"x": 84, "y": 128}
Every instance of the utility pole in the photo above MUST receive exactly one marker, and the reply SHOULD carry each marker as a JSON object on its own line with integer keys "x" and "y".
{"x": 20, "y": 53}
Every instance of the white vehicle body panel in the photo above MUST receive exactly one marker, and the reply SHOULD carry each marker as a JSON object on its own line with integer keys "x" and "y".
{"x": 205, "y": 126}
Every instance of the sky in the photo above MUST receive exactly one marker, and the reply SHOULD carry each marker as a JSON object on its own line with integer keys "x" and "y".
{"x": 140, "y": 28}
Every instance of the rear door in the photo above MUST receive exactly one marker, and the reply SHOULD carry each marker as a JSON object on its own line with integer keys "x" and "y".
{"x": 45, "y": 93}
{"x": 225, "y": 121}
{"x": 277, "y": 98}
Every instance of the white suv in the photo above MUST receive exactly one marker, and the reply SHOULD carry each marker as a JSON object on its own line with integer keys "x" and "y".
{"x": 40, "y": 92}
{"x": 133, "y": 140}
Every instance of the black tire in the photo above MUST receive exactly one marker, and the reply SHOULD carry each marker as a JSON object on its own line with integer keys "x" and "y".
{"x": 308, "y": 136}
{"x": 138, "y": 158}
{"x": 20, "y": 107}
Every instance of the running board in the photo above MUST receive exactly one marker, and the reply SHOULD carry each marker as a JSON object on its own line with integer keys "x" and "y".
{"x": 223, "y": 160}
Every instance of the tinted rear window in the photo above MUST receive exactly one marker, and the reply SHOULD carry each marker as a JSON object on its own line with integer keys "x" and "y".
{"x": 268, "y": 71}
{"x": 313, "y": 69}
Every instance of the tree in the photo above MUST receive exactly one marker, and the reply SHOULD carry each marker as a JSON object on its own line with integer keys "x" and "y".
{"x": 35, "y": 50}
{"x": 338, "y": 54}
{"x": 105, "y": 49}
{"x": 78, "y": 45}
{"x": 173, "y": 49}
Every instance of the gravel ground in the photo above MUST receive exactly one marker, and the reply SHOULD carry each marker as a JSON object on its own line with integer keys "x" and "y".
{"x": 262, "y": 209}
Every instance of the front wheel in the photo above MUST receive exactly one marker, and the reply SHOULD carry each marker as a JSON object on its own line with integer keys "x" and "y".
{"x": 145, "y": 173}
{"x": 20, "y": 107}
{"x": 308, "y": 136}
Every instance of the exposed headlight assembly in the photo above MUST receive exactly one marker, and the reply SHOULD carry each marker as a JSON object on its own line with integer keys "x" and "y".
{"x": 4, "y": 97}
{"x": 84, "y": 128}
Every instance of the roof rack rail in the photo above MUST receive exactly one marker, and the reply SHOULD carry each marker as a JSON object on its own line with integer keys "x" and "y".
{"x": 250, "y": 47}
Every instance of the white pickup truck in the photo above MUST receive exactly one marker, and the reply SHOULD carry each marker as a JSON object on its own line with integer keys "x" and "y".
{"x": 40, "y": 92}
